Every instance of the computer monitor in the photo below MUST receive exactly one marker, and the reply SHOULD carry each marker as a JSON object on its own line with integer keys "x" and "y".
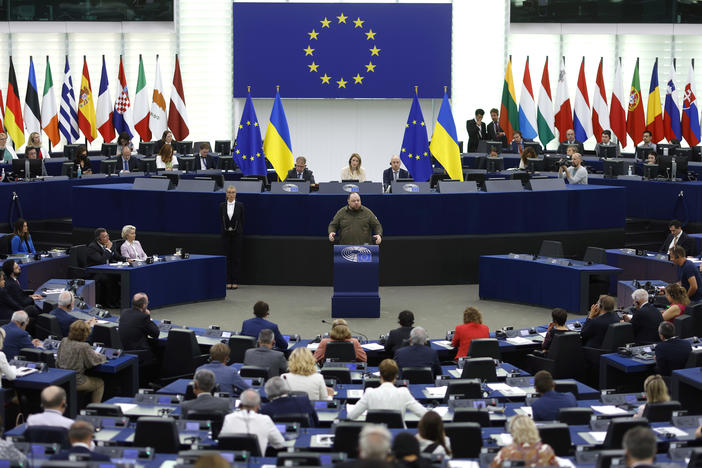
{"x": 612, "y": 167}
{"x": 147, "y": 165}
{"x": 665, "y": 164}
{"x": 494, "y": 164}
{"x": 642, "y": 153}
{"x": 551, "y": 161}
{"x": 607, "y": 152}
{"x": 533, "y": 144}
{"x": 650, "y": 171}
{"x": 666, "y": 149}
{"x": 251, "y": 178}
{"x": 108, "y": 166}
{"x": 67, "y": 169}
{"x": 535, "y": 164}
{"x": 109, "y": 149}
{"x": 436, "y": 177}
{"x": 183, "y": 147}
{"x": 147, "y": 148}
{"x": 684, "y": 153}
{"x": 477, "y": 176}
{"x": 227, "y": 163}
{"x": 18, "y": 168}
{"x": 610, "y": 458}
{"x": 218, "y": 178}
{"x": 223, "y": 147}
{"x": 493, "y": 145}
{"x": 522, "y": 176}
{"x": 69, "y": 151}
{"x": 187, "y": 163}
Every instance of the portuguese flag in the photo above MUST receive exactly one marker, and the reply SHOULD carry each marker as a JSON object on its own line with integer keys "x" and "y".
{"x": 509, "y": 114}
{"x": 635, "y": 118}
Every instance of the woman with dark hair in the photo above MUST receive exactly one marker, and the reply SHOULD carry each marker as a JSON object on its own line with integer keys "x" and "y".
{"x": 399, "y": 337}
{"x": 81, "y": 160}
{"x": 12, "y": 287}
{"x": 77, "y": 355}
{"x": 124, "y": 140}
{"x": 677, "y": 296}
{"x": 471, "y": 328}
{"x": 556, "y": 327}
{"x": 7, "y": 304}
{"x": 165, "y": 159}
{"x": 528, "y": 153}
{"x": 431, "y": 436}
{"x": 21, "y": 242}
{"x": 166, "y": 139}
{"x": 405, "y": 450}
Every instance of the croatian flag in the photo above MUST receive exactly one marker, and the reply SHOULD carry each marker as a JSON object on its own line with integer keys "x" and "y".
{"x": 121, "y": 116}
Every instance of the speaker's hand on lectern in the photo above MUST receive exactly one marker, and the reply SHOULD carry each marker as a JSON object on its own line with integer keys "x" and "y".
{"x": 378, "y": 239}
{"x": 332, "y": 235}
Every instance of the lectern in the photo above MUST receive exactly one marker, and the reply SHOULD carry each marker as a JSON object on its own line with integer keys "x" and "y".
{"x": 356, "y": 281}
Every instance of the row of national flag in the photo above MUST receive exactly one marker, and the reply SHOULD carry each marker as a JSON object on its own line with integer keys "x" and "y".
{"x": 88, "y": 116}
{"x": 624, "y": 115}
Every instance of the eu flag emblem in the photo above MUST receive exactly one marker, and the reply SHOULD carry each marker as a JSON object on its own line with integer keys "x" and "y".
{"x": 248, "y": 150}
{"x": 415, "y": 153}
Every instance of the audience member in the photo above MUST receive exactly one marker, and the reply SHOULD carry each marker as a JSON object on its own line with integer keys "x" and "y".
{"x": 677, "y": 237}
{"x": 7, "y": 304}
{"x": 647, "y": 143}
{"x": 677, "y": 297}
{"x": 80, "y": 435}
{"x": 394, "y": 172}
{"x": 471, "y": 328}
{"x": 302, "y": 375}
{"x": 399, "y": 337}
{"x": 527, "y": 154}
{"x": 387, "y": 396}
{"x": 232, "y": 216}
{"x": 517, "y": 143}
{"x": 606, "y": 141}
{"x": 66, "y": 302}
{"x": 340, "y": 332}
{"x": 131, "y": 248}
{"x": 125, "y": 161}
{"x": 570, "y": 141}
{"x": 205, "y": 161}
{"x": 77, "y": 355}
{"x": 576, "y": 174}
{"x": 247, "y": 420}
{"x": 16, "y": 336}
{"x": 123, "y": 139}
{"x": 354, "y": 171}
{"x": 53, "y": 400}
{"x": 476, "y": 130}
{"x": 645, "y": 318}
{"x": 652, "y": 158}
{"x": 546, "y": 407}
{"x": 21, "y": 242}
{"x": 253, "y": 326}
{"x": 211, "y": 460}
{"x": 99, "y": 252}
{"x": 136, "y": 327}
{"x": 81, "y": 161}
{"x": 300, "y": 171}
{"x": 226, "y": 377}
{"x": 599, "y": 319}
{"x": 641, "y": 445}
{"x": 203, "y": 385}
{"x": 656, "y": 392}
{"x": 405, "y": 450}
{"x": 6, "y": 371}
{"x": 688, "y": 274}
{"x": 9, "y": 452}
{"x": 166, "y": 159}
{"x": 34, "y": 141}
{"x": 417, "y": 354}
{"x": 526, "y": 445}
{"x": 7, "y": 153}
{"x": 374, "y": 443}
{"x": 280, "y": 402}
{"x": 495, "y": 132}
{"x": 13, "y": 288}
{"x": 31, "y": 153}
{"x": 672, "y": 352}
{"x": 556, "y": 327}
{"x": 431, "y": 436}
{"x": 166, "y": 139}
{"x": 265, "y": 356}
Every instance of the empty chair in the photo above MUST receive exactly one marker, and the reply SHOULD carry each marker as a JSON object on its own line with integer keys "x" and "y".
{"x": 617, "y": 428}
{"x": 466, "y": 439}
{"x": 566, "y": 386}
{"x": 418, "y": 375}
{"x": 248, "y": 442}
{"x": 182, "y": 355}
{"x": 391, "y": 418}
{"x": 340, "y": 351}
{"x": 464, "y": 389}
{"x": 684, "y": 326}
{"x": 661, "y": 411}
{"x": 298, "y": 459}
{"x": 695, "y": 359}
{"x": 254, "y": 371}
{"x": 159, "y": 433}
{"x": 107, "y": 334}
{"x": 479, "y": 368}
{"x": 565, "y": 357}
{"x": 484, "y": 347}
{"x": 595, "y": 255}
{"x": 618, "y": 335}
{"x": 104, "y": 409}
{"x": 216, "y": 420}
{"x": 551, "y": 248}
{"x": 575, "y": 416}
{"x": 340, "y": 374}
{"x": 303, "y": 419}
{"x": 696, "y": 312}
{"x": 47, "y": 325}
{"x": 47, "y": 435}
{"x": 238, "y": 344}
{"x": 475, "y": 415}
{"x": 77, "y": 261}
{"x": 557, "y": 435}
{"x": 346, "y": 438}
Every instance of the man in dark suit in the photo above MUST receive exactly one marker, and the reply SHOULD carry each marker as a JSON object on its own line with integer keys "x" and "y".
{"x": 16, "y": 336}
{"x": 417, "y": 354}
{"x": 476, "y": 130}
{"x": 231, "y": 212}
{"x": 300, "y": 171}
{"x": 125, "y": 161}
{"x": 494, "y": 131}
{"x": 394, "y": 172}
{"x": 99, "y": 252}
{"x": 266, "y": 356}
{"x": 80, "y": 435}
{"x": 205, "y": 161}
{"x": 550, "y": 401}
{"x": 281, "y": 403}
{"x": 517, "y": 145}
{"x": 677, "y": 237}
{"x": 66, "y": 302}
{"x": 203, "y": 384}
{"x": 136, "y": 327}
{"x": 570, "y": 140}
{"x": 641, "y": 445}
{"x": 599, "y": 319}
{"x": 672, "y": 352}
{"x": 399, "y": 337}
{"x": 7, "y": 304}
{"x": 645, "y": 318}
{"x": 14, "y": 290}
{"x": 253, "y": 326}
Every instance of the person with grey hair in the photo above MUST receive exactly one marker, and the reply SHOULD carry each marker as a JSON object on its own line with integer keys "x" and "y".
{"x": 265, "y": 356}
{"x": 672, "y": 352}
{"x": 641, "y": 445}
{"x": 53, "y": 400}
{"x": 417, "y": 354}
{"x": 203, "y": 384}
{"x": 281, "y": 402}
{"x": 248, "y": 421}
{"x": 6, "y": 371}
{"x": 16, "y": 336}
{"x": 131, "y": 248}
{"x": 645, "y": 318}
{"x": 66, "y": 302}
{"x": 80, "y": 435}
{"x": 374, "y": 442}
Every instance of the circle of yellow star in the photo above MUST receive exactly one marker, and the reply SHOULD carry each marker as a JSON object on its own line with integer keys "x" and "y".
{"x": 342, "y": 18}
{"x": 241, "y": 126}
{"x": 313, "y": 67}
{"x": 255, "y": 124}
{"x": 248, "y": 122}
{"x": 373, "y": 51}
{"x": 325, "y": 79}
{"x": 358, "y": 79}
{"x": 370, "y": 35}
{"x": 370, "y": 67}
{"x": 313, "y": 34}
{"x": 325, "y": 22}
{"x": 309, "y": 50}
{"x": 358, "y": 22}
{"x": 342, "y": 83}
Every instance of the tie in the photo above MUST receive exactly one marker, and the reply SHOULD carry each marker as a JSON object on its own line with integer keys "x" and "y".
{"x": 126, "y": 166}
{"x": 394, "y": 176}
{"x": 521, "y": 147}
{"x": 299, "y": 175}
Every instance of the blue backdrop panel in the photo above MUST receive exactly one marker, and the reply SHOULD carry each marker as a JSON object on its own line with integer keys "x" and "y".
{"x": 378, "y": 50}
{"x": 356, "y": 281}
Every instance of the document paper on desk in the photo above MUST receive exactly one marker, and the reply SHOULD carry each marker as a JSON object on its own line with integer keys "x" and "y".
{"x": 436, "y": 392}
{"x": 609, "y": 410}
{"x": 444, "y": 344}
{"x": 463, "y": 464}
{"x": 506, "y": 390}
{"x": 455, "y": 373}
{"x": 22, "y": 371}
{"x": 671, "y": 430}
{"x": 373, "y": 347}
{"x": 313, "y": 346}
{"x": 518, "y": 340}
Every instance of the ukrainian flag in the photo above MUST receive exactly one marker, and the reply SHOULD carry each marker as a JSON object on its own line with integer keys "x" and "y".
{"x": 276, "y": 145}
{"x": 444, "y": 142}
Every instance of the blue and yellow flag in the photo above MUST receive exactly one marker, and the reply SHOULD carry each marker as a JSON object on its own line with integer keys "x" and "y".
{"x": 277, "y": 144}
{"x": 415, "y": 145}
{"x": 248, "y": 150}
{"x": 444, "y": 142}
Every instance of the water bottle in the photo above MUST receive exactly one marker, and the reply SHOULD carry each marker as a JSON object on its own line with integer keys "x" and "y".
{"x": 79, "y": 173}
{"x": 673, "y": 169}
{"x": 2, "y": 177}
{"x": 629, "y": 173}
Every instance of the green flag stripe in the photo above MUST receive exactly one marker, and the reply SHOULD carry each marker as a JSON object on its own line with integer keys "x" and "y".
{"x": 141, "y": 81}
{"x": 48, "y": 81}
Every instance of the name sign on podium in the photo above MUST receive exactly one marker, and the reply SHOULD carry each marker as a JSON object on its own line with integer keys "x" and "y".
{"x": 356, "y": 281}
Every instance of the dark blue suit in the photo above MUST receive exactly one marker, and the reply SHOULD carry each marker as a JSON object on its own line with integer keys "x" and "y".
{"x": 94, "y": 456}
{"x": 547, "y": 406}
{"x": 64, "y": 319}
{"x": 671, "y": 355}
{"x": 645, "y": 322}
{"x": 253, "y": 326}
{"x": 594, "y": 330}
{"x": 226, "y": 377}
{"x": 299, "y": 404}
{"x": 418, "y": 356}
{"x": 387, "y": 175}
{"x": 15, "y": 339}
{"x": 8, "y": 305}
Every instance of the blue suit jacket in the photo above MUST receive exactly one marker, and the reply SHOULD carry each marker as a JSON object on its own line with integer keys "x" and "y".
{"x": 15, "y": 339}
{"x": 387, "y": 175}
{"x": 20, "y": 247}
{"x": 94, "y": 456}
{"x": 226, "y": 377}
{"x": 547, "y": 406}
{"x": 253, "y": 326}
{"x": 64, "y": 319}
{"x": 418, "y": 356}
{"x": 671, "y": 355}
{"x": 291, "y": 404}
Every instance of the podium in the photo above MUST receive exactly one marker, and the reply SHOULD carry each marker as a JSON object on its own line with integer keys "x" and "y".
{"x": 356, "y": 281}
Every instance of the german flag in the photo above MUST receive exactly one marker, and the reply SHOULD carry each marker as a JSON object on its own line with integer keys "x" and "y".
{"x": 13, "y": 112}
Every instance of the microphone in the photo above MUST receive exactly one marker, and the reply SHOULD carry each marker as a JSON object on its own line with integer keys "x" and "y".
{"x": 352, "y": 331}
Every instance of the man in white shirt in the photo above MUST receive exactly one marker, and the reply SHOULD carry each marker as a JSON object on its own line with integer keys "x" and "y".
{"x": 53, "y": 400}
{"x": 576, "y": 174}
{"x": 387, "y": 396}
{"x": 248, "y": 421}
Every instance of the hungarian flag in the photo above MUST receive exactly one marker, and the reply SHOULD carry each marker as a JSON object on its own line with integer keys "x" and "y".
{"x": 600, "y": 113}
{"x": 654, "y": 113}
{"x": 671, "y": 113}
{"x": 582, "y": 120}
{"x": 141, "y": 105}
{"x": 177, "y": 113}
{"x": 617, "y": 115}
{"x": 158, "y": 122}
{"x": 635, "y": 120}
{"x": 564, "y": 115}
{"x": 690, "y": 116}
{"x": 14, "y": 124}
{"x": 86, "y": 106}
{"x": 121, "y": 115}
{"x": 32, "y": 115}
{"x": 104, "y": 107}
{"x": 49, "y": 113}
{"x": 509, "y": 114}
{"x": 544, "y": 115}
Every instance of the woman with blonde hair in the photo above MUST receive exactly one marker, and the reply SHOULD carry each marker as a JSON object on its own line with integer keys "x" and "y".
{"x": 656, "y": 392}
{"x": 166, "y": 159}
{"x": 354, "y": 171}
{"x": 34, "y": 141}
{"x": 303, "y": 376}
{"x": 131, "y": 248}
{"x": 526, "y": 446}
{"x": 340, "y": 332}
{"x": 677, "y": 296}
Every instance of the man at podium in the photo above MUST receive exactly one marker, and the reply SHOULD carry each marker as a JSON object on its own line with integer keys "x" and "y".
{"x": 355, "y": 224}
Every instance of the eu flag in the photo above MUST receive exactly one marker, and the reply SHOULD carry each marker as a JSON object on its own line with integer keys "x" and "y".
{"x": 342, "y": 50}
{"x": 415, "y": 145}
{"x": 248, "y": 150}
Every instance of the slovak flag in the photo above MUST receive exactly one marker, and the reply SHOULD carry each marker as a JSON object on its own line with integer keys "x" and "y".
{"x": 690, "y": 116}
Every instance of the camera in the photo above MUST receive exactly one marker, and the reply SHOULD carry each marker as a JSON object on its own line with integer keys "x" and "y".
{"x": 564, "y": 162}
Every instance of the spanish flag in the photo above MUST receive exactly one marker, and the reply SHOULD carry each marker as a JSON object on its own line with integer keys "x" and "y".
{"x": 13, "y": 112}
{"x": 444, "y": 141}
{"x": 86, "y": 106}
{"x": 276, "y": 145}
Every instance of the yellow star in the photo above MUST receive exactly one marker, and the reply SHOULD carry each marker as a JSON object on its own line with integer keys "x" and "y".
{"x": 417, "y": 156}
{"x": 425, "y": 153}
{"x": 243, "y": 157}
{"x": 255, "y": 124}
{"x": 241, "y": 126}
{"x": 414, "y": 122}
{"x": 309, "y": 50}
{"x": 403, "y": 150}
{"x": 370, "y": 67}
{"x": 422, "y": 124}
{"x": 258, "y": 155}
{"x": 325, "y": 79}
{"x": 373, "y": 51}
{"x": 313, "y": 67}
{"x": 237, "y": 151}
{"x": 342, "y": 83}
{"x": 313, "y": 34}
{"x": 410, "y": 155}
{"x": 358, "y": 79}
{"x": 358, "y": 22}
{"x": 406, "y": 125}
{"x": 325, "y": 22}
{"x": 370, "y": 35}
{"x": 342, "y": 18}
{"x": 248, "y": 122}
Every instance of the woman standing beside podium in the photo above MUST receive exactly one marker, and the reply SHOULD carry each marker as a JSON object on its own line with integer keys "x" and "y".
{"x": 231, "y": 213}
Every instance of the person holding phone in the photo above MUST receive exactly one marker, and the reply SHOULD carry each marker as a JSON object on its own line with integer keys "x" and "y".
{"x": 598, "y": 320}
